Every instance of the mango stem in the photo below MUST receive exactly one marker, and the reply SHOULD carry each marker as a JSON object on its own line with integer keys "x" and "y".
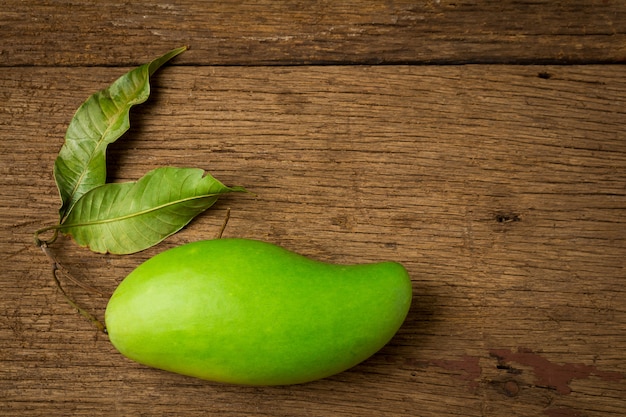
{"x": 224, "y": 223}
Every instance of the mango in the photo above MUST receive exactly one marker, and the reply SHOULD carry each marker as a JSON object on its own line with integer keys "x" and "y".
{"x": 247, "y": 312}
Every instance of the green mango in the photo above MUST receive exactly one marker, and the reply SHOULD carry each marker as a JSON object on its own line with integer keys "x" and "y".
{"x": 248, "y": 312}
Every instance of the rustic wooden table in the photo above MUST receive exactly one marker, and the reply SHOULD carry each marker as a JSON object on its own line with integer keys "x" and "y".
{"x": 481, "y": 144}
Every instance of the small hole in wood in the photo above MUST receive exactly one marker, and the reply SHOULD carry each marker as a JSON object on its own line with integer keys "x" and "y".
{"x": 507, "y": 217}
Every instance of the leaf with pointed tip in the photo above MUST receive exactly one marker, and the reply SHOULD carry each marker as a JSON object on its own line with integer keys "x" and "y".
{"x": 99, "y": 121}
{"x": 124, "y": 218}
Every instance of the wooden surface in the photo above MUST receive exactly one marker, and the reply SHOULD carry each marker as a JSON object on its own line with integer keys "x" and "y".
{"x": 343, "y": 32}
{"x": 500, "y": 186}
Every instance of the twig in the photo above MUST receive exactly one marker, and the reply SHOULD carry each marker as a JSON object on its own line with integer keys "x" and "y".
{"x": 56, "y": 267}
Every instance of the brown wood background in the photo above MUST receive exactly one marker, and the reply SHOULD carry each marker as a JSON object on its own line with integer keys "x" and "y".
{"x": 499, "y": 183}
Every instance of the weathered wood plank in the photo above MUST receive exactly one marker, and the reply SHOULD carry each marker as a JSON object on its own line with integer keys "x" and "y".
{"x": 501, "y": 188}
{"x": 116, "y": 32}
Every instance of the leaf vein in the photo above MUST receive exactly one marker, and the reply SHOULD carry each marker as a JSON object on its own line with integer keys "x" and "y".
{"x": 138, "y": 213}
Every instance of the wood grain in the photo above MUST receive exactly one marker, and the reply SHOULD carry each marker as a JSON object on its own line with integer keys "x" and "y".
{"x": 502, "y": 189}
{"x": 114, "y": 32}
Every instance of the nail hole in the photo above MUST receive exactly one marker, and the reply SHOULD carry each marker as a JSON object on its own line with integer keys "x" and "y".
{"x": 511, "y": 388}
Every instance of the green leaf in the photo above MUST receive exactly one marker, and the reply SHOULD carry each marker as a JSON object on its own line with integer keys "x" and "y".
{"x": 99, "y": 121}
{"x": 124, "y": 218}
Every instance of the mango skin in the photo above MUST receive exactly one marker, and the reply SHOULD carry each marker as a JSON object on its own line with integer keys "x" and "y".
{"x": 248, "y": 312}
